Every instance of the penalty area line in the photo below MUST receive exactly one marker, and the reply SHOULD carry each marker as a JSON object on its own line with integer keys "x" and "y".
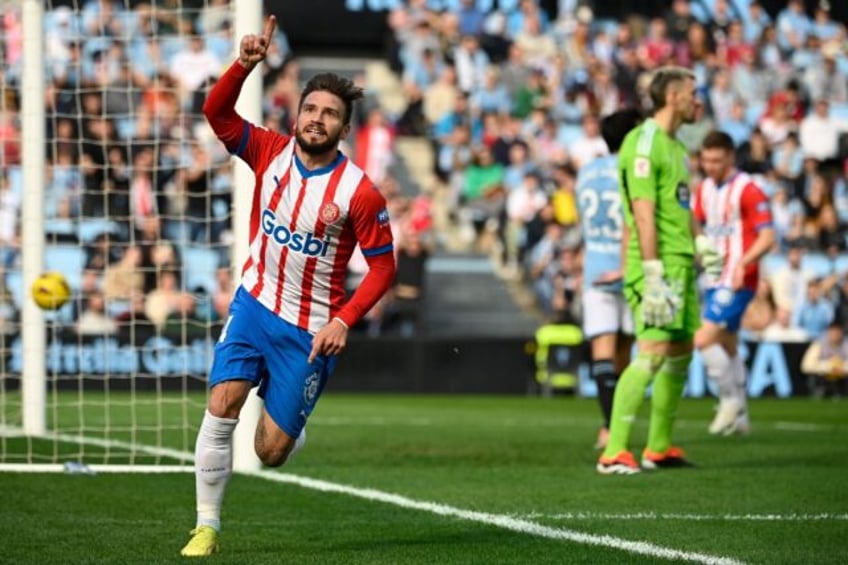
{"x": 499, "y": 520}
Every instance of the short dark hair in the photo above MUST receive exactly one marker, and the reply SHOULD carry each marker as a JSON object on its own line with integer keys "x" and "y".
{"x": 334, "y": 84}
{"x": 718, "y": 140}
{"x": 663, "y": 78}
{"x": 616, "y": 126}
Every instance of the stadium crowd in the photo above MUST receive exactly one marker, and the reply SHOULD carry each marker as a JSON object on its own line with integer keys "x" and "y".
{"x": 512, "y": 104}
{"x": 136, "y": 182}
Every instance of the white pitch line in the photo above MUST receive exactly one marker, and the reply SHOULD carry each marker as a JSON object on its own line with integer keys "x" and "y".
{"x": 692, "y": 517}
{"x": 500, "y": 520}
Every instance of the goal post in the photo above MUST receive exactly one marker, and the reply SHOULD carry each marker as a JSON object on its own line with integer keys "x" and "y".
{"x": 34, "y": 374}
{"x": 132, "y": 398}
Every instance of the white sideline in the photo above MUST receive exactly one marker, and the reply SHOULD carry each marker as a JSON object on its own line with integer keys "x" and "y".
{"x": 692, "y": 517}
{"x": 500, "y": 520}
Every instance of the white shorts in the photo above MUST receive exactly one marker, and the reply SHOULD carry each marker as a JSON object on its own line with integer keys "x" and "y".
{"x": 605, "y": 313}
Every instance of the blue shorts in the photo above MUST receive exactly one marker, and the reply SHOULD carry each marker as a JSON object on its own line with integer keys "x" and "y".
{"x": 724, "y": 307}
{"x": 259, "y": 346}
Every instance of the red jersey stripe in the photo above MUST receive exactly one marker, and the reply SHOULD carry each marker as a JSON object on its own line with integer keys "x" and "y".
{"x": 275, "y": 199}
{"x": 320, "y": 228}
{"x": 281, "y": 270}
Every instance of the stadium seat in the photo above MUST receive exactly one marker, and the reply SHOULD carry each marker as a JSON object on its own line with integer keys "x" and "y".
{"x": 817, "y": 264}
{"x": 199, "y": 266}
{"x": 66, "y": 259}
{"x": 772, "y": 263}
{"x": 839, "y": 111}
{"x": 840, "y": 264}
{"x": 90, "y": 228}
{"x": 15, "y": 285}
{"x": 753, "y": 113}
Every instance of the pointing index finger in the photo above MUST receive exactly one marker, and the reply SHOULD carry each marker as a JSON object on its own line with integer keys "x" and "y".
{"x": 270, "y": 24}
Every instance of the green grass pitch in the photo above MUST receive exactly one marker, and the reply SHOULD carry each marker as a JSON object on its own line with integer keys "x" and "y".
{"x": 778, "y": 496}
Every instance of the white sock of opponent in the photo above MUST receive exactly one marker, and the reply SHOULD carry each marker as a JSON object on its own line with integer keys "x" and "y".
{"x": 740, "y": 380}
{"x": 719, "y": 369}
{"x": 213, "y": 466}
{"x": 298, "y": 445}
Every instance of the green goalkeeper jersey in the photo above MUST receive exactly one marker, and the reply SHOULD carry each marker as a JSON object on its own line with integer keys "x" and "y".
{"x": 653, "y": 166}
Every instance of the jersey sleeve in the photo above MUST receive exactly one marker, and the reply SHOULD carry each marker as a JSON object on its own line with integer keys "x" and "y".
{"x": 755, "y": 208}
{"x": 370, "y": 221}
{"x": 371, "y": 225}
{"x": 638, "y": 165}
{"x": 251, "y": 143}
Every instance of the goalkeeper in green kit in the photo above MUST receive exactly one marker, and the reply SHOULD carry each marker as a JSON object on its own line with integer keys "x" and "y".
{"x": 659, "y": 275}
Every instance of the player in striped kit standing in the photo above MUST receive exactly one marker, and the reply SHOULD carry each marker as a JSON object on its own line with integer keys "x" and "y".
{"x": 289, "y": 319}
{"x": 736, "y": 217}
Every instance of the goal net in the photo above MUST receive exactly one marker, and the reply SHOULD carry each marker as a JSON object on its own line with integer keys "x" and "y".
{"x": 132, "y": 202}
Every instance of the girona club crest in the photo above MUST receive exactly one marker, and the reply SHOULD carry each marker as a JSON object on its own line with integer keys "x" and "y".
{"x": 330, "y": 213}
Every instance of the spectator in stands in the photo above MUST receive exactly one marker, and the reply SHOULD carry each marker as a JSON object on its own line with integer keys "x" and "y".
{"x": 788, "y": 216}
{"x": 123, "y": 279}
{"x": 10, "y": 206}
{"x": 93, "y": 320}
{"x": 760, "y": 313}
{"x": 736, "y": 125}
{"x": 782, "y": 330}
{"x": 522, "y": 205}
{"x": 471, "y": 63}
{"x": 755, "y": 155}
{"x": 678, "y": 19}
{"x": 222, "y": 294}
{"x": 374, "y": 147}
{"x": 192, "y": 66}
{"x": 820, "y": 133}
{"x": 814, "y": 312}
{"x": 165, "y": 299}
{"x": 777, "y": 123}
{"x": 567, "y": 282}
{"x": 789, "y": 284}
{"x": 8, "y": 313}
{"x": 826, "y": 362}
{"x": 787, "y": 159}
{"x": 793, "y": 26}
{"x": 408, "y": 290}
{"x": 483, "y": 192}
{"x": 589, "y": 144}
{"x": 183, "y": 324}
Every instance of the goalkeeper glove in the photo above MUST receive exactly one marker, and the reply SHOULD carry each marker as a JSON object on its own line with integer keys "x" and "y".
{"x": 661, "y": 300}
{"x": 711, "y": 258}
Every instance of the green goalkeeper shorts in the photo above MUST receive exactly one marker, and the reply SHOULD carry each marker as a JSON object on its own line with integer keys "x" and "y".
{"x": 687, "y": 319}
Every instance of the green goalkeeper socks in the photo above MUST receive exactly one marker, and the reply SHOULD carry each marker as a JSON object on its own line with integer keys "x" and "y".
{"x": 629, "y": 394}
{"x": 668, "y": 388}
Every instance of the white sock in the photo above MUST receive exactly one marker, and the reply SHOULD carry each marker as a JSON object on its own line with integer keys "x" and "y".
{"x": 740, "y": 380}
{"x": 213, "y": 466}
{"x": 719, "y": 369}
{"x": 298, "y": 445}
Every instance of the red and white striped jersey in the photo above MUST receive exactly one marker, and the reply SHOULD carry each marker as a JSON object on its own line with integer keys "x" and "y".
{"x": 304, "y": 224}
{"x": 732, "y": 214}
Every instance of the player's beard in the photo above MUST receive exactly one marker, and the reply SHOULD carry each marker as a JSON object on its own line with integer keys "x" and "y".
{"x": 318, "y": 148}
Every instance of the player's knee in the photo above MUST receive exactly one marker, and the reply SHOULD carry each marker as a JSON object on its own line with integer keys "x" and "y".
{"x": 223, "y": 403}
{"x": 272, "y": 456}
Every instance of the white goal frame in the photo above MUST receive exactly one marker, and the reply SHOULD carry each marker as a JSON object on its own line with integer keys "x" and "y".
{"x": 247, "y": 17}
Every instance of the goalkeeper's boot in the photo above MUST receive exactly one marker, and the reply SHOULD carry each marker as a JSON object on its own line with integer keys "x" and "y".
{"x": 671, "y": 458}
{"x": 729, "y": 410}
{"x": 621, "y": 464}
{"x": 204, "y": 541}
